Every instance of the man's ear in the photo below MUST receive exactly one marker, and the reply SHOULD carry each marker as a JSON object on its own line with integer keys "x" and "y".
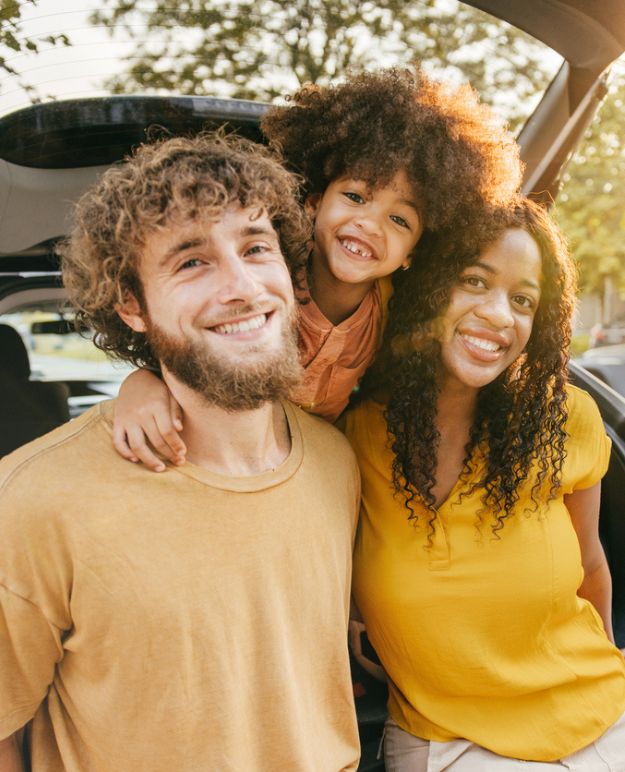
{"x": 311, "y": 204}
{"x": 130, "y": 312}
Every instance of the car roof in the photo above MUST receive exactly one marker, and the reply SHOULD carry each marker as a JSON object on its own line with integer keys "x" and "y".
{"x": 49, "y": 153}
{"x": 587, "y": 33}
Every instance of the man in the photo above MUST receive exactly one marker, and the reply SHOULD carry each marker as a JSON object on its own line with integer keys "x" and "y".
{"x": 194, "y": 620}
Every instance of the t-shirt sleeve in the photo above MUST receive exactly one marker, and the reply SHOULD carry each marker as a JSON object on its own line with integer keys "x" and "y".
{"x": 30, "y": 647}
{"x": 588, "y": 447}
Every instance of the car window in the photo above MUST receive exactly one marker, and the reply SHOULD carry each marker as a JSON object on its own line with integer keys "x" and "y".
{"x": 164, "y": 48}
{"x": 57, "y": 353}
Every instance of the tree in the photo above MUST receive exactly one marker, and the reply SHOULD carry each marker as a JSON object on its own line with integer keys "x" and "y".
{"x": 263, "y": 49}
{"x": 12, "y": 43}
{"x": 591, "y": 206}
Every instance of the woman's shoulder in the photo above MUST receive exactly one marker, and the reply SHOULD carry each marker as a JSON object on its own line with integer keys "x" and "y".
{"x": 587, "y": 445}
{"x": 583, "y": 413}
{"x": 365, "y": 424}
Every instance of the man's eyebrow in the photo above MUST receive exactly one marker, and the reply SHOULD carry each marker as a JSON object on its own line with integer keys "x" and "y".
{"x": 258, "y": 230}
{"x": 181, "y": 246}
{"x": 490, "y": 269}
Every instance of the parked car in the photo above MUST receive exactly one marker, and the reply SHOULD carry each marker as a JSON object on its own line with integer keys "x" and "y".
{"x": 49, "y": 153}
{"x": 606, "y": 334}
{"x": 607, "y": 363}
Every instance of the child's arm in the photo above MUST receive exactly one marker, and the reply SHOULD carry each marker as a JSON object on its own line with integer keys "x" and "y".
{"x": 145, "y": 411}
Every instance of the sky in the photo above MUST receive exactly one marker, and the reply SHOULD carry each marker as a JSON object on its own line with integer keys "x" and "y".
{"x": 63, "y": 72}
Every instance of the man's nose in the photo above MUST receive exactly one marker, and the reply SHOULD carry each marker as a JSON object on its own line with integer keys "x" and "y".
{"x": 237, "y": 281}
{"x": 496, "y": 310}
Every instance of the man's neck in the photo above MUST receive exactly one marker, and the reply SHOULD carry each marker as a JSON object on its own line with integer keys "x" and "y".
{"x": 238, "y": 444}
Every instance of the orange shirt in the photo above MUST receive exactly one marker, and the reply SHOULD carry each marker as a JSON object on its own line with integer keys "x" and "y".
{"x": 335, "y": 357}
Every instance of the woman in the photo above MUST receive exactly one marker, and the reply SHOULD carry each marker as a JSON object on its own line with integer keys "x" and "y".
{"x": 481, "y": 478}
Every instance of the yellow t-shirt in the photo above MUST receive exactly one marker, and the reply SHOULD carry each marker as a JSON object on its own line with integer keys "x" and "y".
{"x": 486, "y": 639}
{"x": 180, "y": 621}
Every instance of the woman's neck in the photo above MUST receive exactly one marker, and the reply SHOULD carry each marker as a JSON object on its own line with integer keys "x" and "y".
{"x": 455, "y": 405}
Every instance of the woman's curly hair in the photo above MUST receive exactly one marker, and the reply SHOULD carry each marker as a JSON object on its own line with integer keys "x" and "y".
{"x": 171, "y": 179}
{"x": 456, "y": 154}
{"x": 520, "y": 417}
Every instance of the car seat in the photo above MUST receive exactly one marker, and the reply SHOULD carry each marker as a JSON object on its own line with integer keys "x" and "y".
{"x": 28, "y": 408}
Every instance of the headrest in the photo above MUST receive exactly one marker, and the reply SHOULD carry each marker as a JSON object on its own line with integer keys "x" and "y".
{"x": 13, "y": 354}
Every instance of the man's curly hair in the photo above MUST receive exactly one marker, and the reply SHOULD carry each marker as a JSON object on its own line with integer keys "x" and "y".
{"x": 172, "y": 179}
{"x": 456, "y": 154}
{"x": 520, "y": 417}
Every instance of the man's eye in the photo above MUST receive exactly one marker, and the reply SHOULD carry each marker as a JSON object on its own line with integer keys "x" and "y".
{"x": 257, "y": 249}
{"x": 191, "y": 263}
{"x": 355, "y": 197}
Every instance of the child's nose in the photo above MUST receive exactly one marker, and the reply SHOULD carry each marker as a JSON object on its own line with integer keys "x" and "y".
{"x": 369, "y": 222}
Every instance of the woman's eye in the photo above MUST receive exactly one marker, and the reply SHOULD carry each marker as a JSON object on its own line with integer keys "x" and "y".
{"x": 525, "y": 301}
{"x": 473, "y": 281}
{"x": 355, "y": 197}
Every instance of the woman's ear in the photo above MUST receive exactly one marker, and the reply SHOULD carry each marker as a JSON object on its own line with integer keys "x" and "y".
{"x": 131, "y": 314}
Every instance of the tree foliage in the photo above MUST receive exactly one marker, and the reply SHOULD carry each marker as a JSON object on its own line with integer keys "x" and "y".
{"x": 591, "y": 206}
{"x": 13, "y": 43}
{"x": 263, "y": 49}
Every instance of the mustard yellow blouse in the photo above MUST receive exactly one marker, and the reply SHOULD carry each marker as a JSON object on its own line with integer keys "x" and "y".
{"x": 486, "y": 639}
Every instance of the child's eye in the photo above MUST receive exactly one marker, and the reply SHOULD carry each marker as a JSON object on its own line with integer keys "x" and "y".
{"x": 400, "y": 221}
{"x": 355, "y": 197}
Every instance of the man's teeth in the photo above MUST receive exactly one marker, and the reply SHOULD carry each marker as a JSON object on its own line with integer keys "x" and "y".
{"x": 245, "y": 326}
{"x": 487, "y": 345}
{"x": 351, "y": 246}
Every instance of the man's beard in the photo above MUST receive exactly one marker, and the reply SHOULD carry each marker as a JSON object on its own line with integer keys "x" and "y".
{"x": 244, "y": 385}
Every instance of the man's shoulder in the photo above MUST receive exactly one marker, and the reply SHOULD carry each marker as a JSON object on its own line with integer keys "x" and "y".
{"x": 319, "y": 435}
{"x": 59, "y": 451}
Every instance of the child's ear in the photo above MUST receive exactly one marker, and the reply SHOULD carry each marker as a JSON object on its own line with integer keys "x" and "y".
{"x": 131, "y": 314}
{"x": 311, "y": 205}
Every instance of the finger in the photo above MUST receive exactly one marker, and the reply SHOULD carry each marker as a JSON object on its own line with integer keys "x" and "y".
{"x": 137, "y": 441}
{"x": 121, "y": 445}
{"x": 175, "y": 412}
{"x": 157, "y": 441}
{"x": 165, "y": 439}
{"x": 176, "y": 450}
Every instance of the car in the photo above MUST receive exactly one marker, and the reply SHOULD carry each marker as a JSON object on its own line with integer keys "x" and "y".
{"x": 606, "y": 334}
{"x": 607, "y": 363}
{"x": 50, "y": 152}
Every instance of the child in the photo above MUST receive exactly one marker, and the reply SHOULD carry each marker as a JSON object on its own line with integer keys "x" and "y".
{"x": 385, "y": 157}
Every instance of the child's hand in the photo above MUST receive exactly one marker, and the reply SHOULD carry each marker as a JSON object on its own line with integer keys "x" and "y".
{"x": 145, "y": 411}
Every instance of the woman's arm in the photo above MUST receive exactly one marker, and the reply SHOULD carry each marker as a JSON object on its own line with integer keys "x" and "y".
{"x": 146, "y": 411}
{"x": 596, "y": 587}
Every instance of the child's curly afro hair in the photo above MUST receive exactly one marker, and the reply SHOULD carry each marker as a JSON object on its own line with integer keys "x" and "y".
{"x": 457, "y": 155}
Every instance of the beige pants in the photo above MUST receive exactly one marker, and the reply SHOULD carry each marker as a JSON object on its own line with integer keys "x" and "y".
{"x": 404, "y": 752}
